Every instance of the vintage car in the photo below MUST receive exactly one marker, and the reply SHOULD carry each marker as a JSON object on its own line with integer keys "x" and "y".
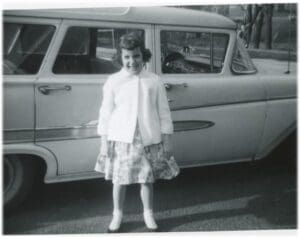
{"x": 224, "y": 108}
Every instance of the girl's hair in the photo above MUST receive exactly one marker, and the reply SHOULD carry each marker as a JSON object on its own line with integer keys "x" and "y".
{"x": 131, "y": 41}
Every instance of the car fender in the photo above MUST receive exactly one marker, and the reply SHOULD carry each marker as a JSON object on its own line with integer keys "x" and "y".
{"x": 32, "y": 149}
{"x": 276, "y": 142}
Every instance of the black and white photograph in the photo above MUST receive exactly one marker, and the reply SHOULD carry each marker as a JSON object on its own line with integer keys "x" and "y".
{"x": 149, "y": 119}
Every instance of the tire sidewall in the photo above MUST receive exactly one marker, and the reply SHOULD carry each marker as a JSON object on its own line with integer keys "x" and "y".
{"x": 21, "y": 179}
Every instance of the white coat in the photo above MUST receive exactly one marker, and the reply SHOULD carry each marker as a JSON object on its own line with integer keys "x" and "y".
{"x": 128, "y": 99}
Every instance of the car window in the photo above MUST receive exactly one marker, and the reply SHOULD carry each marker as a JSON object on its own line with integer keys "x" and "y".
{"x": 241, "y": 61}
{"x": 192, "y": 52}
{"x": 90, "y": 50}
{"x": 24, "y": 47}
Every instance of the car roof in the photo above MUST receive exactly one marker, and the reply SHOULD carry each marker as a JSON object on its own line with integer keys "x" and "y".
{"x": 151, "y": 15}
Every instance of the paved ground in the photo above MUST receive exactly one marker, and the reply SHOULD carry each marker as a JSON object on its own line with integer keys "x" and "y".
{"x": 215, "y": 198}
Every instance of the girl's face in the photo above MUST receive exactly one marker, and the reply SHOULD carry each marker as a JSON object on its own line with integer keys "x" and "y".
{"x": 132, "y": 60}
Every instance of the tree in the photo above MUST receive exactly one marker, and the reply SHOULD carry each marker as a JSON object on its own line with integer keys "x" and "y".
{"x": 259, "y": 17}
{"x": 269, "y": 30}
{"x": 248, "y": 20}
{"x": 255, "y": 16}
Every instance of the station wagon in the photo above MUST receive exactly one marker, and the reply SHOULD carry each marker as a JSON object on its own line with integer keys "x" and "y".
{"x": 225, "y": 108}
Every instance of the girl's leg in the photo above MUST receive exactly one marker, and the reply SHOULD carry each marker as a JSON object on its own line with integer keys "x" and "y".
{"x": 147, "y": 200}
{"x": 147, "y": 195}
{"x": 119, "y": 192}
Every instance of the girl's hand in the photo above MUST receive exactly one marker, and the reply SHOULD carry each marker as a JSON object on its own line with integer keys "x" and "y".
{"x": 167, "y": 145}
{"x": 104, "y": 146}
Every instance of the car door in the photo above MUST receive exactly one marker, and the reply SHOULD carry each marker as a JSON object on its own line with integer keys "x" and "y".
{"x": 218, "y": 115}
{"x": 25, "y": 44}
{"x": 69, "y": 93}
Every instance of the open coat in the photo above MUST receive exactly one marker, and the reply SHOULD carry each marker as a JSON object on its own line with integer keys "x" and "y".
{"x": 130, "y": 99}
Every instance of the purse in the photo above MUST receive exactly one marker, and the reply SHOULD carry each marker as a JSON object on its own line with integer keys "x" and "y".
{"x": 173, "y": 165}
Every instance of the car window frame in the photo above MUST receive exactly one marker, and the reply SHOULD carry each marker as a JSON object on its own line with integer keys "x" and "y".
{"x": 247, "y": 72}
{"x": 67, "y": 23}
{"x": 225, "y": 69}
{"x": 33, "y": 21}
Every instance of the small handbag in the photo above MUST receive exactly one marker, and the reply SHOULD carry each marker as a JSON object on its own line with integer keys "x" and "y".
{"x": 173, "y": 165}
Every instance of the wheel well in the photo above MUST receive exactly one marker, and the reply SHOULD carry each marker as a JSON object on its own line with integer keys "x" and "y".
{"x": 38, "y": 164}
{"x": 286, "y": 149}
{"x": 22, "y": 174}
{"x": 290, "y": 141}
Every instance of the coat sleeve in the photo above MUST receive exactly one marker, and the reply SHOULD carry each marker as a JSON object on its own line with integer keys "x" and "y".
{"x": 106, "y": 109}
{"x": 164, "y": 112}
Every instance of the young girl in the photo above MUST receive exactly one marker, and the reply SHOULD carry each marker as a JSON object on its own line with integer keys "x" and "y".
{"x": 135, "y": 126}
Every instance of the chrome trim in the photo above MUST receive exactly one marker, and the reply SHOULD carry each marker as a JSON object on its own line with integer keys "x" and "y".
{"x": 84, "y": 132}
{"x": 229, "y": 103}
{"x": 70, "y": 133}
{"x": 18, "y": 136}
{"x": 247, "y": 72}
{"x": 254, "y": 71}
{"x": 88, "y": 130}
{"x": 45, "y": 89}
{"x": 169, "y": 86}
{"x": 192, "y": 125}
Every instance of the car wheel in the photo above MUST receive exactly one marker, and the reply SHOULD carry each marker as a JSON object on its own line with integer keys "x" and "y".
{"x": 18, "y": 180}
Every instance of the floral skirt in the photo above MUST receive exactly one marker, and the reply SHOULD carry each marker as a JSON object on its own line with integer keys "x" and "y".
{"x": 129, "y": 163}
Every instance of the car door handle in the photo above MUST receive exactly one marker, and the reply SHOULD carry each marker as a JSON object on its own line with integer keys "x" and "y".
{"x": 47, "y": 89}
{"x": 169, "y": 86}
{"x": 92, "y": 123}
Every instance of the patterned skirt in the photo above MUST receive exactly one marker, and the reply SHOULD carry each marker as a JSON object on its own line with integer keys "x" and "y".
{"x": 129, "y": 163}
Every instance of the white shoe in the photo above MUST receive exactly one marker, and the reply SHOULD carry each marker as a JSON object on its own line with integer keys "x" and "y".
{"x": 149, "y": 220}
{"x": 116, "y": 221}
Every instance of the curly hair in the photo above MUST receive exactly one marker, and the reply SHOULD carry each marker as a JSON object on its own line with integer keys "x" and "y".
{"x": 131, "y": 41}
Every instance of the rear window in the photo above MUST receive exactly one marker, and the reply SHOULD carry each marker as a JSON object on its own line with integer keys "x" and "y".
{"x": 24, "y": 47}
